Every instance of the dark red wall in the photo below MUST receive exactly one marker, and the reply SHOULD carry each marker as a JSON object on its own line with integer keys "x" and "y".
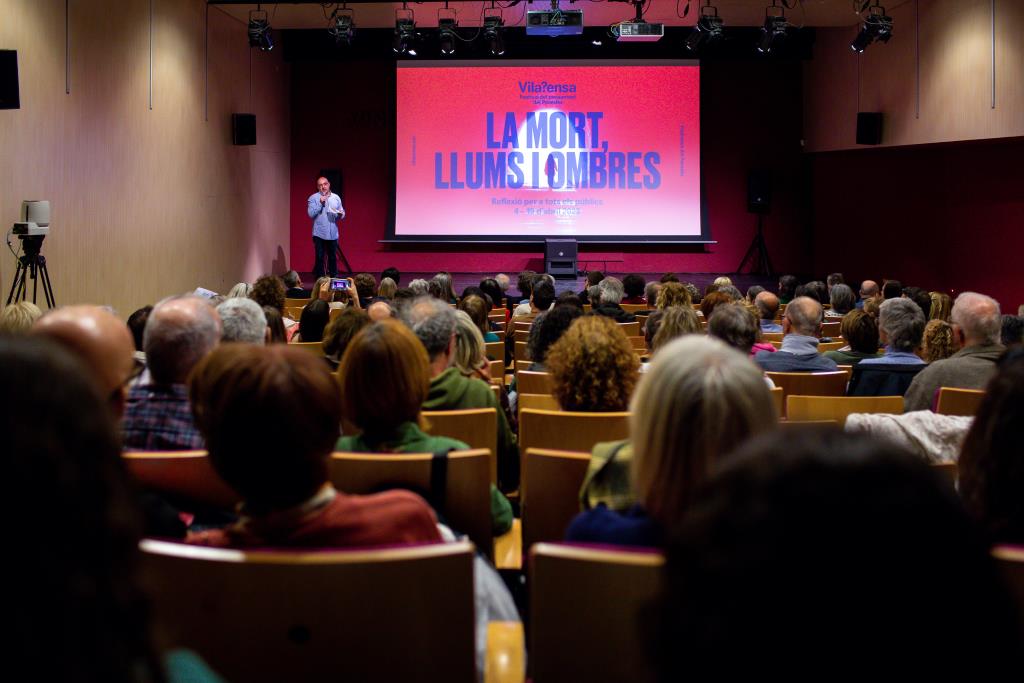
{"x": 945, "y": 217}
{"x": 751, "y": 118}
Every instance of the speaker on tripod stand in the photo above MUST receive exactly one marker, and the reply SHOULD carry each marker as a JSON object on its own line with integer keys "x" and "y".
{"x": 759, "y": 200}
{"x": 32, "y": 229}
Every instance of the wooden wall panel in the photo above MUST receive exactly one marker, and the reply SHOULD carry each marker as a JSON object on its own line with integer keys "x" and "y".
{"x": 145, "y": 202}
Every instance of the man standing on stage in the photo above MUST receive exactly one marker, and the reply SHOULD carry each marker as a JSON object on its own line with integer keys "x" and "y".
{"x": 325, "y": 208}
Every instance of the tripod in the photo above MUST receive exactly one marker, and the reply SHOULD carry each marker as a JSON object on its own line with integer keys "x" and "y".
{"x": 758, "y": 251}
{"x": 344, "y": 260}
{"x": 32, "y": 265}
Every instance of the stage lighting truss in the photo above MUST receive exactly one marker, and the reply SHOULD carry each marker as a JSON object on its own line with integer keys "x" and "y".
{"x": 773, "y": 33}
{"x": 447, "y": 29}
{"x": 494, "y": 28}
{"x": 708, "y": 31}
{"x": 259, "y": 30}
{"x": 877, "y": 26}
{"x": 342, "y": 25}
{"x": 406, "y": 37}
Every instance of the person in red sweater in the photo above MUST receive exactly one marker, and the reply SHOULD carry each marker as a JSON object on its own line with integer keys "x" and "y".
{"x": 270, "y": 416}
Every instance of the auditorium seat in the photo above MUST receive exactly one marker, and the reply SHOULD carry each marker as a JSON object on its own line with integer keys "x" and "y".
{"x": 958, "y": 401}
{"x": 586, "y": 610}
{"x": 495, "y": 350}
{"x": 316, "y": 348}
{"x": 530, "y": 382}
{"x": 831, "y": 329}
{"x": 810, "y": 383}
{"x": 550, "y": 492}
{"x": 778, "y": 400}
{"x": 521, "y": 353}
{"x": 522, "y": 335}
{"x": 476, "y": 427}
{"x": 296, "y": 303}
{"x": 463, "y": 499}
{"x": 334, "y": 313}
{"x": 537, "y": 402}
{"x": 804, "y": 408}
{"x": 830, "y": 346}
{"x": 184, "y": 476}
{"x": 633, "y": 308}
{"x": 497, "y": 369}
{"x": 772, "y": 336}
{"x": 1010, "y": 560}
{"x": 638, "y": 343}
{"x": 306, "y": 615}
{"x": 293, "y": 312}
{"x": 569, "y": 431}
{"x": 631, "y": 329}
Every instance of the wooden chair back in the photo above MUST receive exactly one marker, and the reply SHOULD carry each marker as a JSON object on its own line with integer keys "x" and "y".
{"x": 553, "y": 479}
{"x": 475, "y": 427}
{"x": 1010, "y": 561}
{"x": 772, "y": 336}
{"x": 778, "y": 399}
{"x": 638, "y": 343}
{"x": 569, "y": 431}
{"x": 185, "y": 476}
{"x": 266, "y": 616}
{"x": 831, "y": 329}
{"x": 522, "y": 335}
{"x": 631, "y": 329}
{"x": 530, "y": 382}
{"x": 583, "y": 600}
{"x": 633, "y": 308}
{"x": 805, "y": 408}
{"x": 467, "y": 504}
{"x": 958, "y": 401}
{"x": 293, "y": 312}
{"x": 824, "y": 347}
{"x": 522, "y": 325}
{"x": 810, "y": 383}
{"x": 495, "y": 350}
{"x": 315, "y": 348}
{"x": 497, "y": 368}
{"x": 520, "y": 352}
{"x": 537, "y": 402}
{"x": 296, "y": 303}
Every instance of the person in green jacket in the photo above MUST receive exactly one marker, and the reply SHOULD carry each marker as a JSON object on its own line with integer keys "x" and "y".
{"x": 385, "y": 377}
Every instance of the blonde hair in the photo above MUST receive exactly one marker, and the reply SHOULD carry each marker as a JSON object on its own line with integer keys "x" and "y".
{"x": 387, "y": 288}
{"x": 673, "y": 294}
{"x": 675, "y": 322}
{"x": 942, "y": 306}
{"x": 722, "y": 281}
{"x": 18, "y": 318}
{"x": 469, "y": 344}
{"x": 699, "y": 401}
{"x": 241, "y": 290}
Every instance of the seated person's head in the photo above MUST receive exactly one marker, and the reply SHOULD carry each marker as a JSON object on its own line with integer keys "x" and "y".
{"x": 340, "y": 331}
{"x": 860, "y": 331}
{"x": 651, "y": 293}
{"x": 543, "y": 295}
{"x": 698, "y": 401}
{"x": 817, "y": 290}
{"x": 842, "y": 299}
{"x": 420, "y": 286}
{"x": 633, "y": 286}
{"x": 568, "y": 298}
{"x": 767, "y": 305}
{"x": 594, "y": 277}
{"x": 787, "y": 286}
{"x": 392, "y": 274}
{"x": 843, "y": 544}
{"x": 469, "y": 345}
{"x": 991, "y": 477}
{"x": 242, "y": 320}
{"x": 433, "y": 321}
{"x": 834, "y": 279}
{"x": 892, "y": 289}
{"x": 869, "y": 289}
{"x": 78, "y": 528}
{"x": 673, "y": 294}
{"x": 942, "y": 306}
{"x": 938, "y": 341}
{"x": 732, "y": 292}
{"x": 476, "y": 308}
{"x": 315, "y": 316}
{"x": 524, "y": 283}
{"x": 610, "y": 291}
{"x": 101, "y": 341}
{"x": 803, "y": 316}
{"x": 276, "y": 334}
{"x": 270, "y": 416}
{"x": 18, "y": 317}
{"x": 137, "y": 324}
{"x": 383, "y": 354}
{"x": 240, "y": 289}
{"x": 291, "y": 280}
{"x": 695, "y": 296}
{"x": 181, "y": 330}
{"x": 900, "y": 325}
{"x": 268, "y": 290}
{"x": 491, "y": 288}
{"x": 387, "y": 288}
{"x": 734, "y": 325}
{"x": 920, "y": 297}
{"x": 1012, "y": 330}
{"x": 593, "y": 366}
{"x": 366, "y": 285}
{"x": 503, "y": 281}
{"x": 322, "y": 289}
{"x": 549, "y": 328}
{"x": 976, "y": 319}
{"x": 674, "y": 322}
{"x": 668, "y": 277}
{"x": 707, "y": 306}
{"x": 753, "y": 291}
{"x": 380, "y": 310}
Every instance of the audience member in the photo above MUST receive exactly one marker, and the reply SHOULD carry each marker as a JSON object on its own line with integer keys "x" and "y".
{"x": 542, "y": 296}
{"x": 366, "y": 288}
{"x": 753, "y": 291}
{"x": 569, "y": 299}
{"x": 276, "y": 333}
{"x": 767, "y": 308}
{"x": 698, "y": 402}
{"x": 938, "y": 341}
{"x": 723, "y": 281}
{"x": 594, "y": 278}
{"x": 180, "y": 332}
{"x": 674, "y": 322}
{"x": 339, "y": 333}
{"x": 668, "y": 277}
{"x": 695, "y": 297}
{"x": 492, "y": 289}
{"x": 315, "y": 316}
{"x": 892, "y": 289}
{"x": 633, "y": 289}
{"x": 391, "y": 273}
{"x": 900, "y": 329}
{"x": 816, "y": 290}
{"x": 242, "y": 320}
{"x": 546, "y": 330}
{"x": 991, "y": 478}
{"x": 1012, "y": 330}
{"x": 610, "y": 295}
{"x": 651, "y": 290}
{"x": 380, "y": 310}
{"x": 293, "y": 286}
{"x": 842, "y": 299}
{"x": 942, "y": 306}
{"x": 469, "y": 356}
{"x": 673, "y": 294}
{"x": 419, "y": 286}
{"x": 871, "y": 306}
{"x": 136, "y": 325}
{"x": 476, "y": 308}
{"x": 524, "y": 284}
{"x": 593, "y": 367}
{"x": 976, "y": 327}
{"x": 738, "y": 328}
{"x": 707, "y": 306}
{"x": 240, "y": 290}
{"x": 18, "y": 317}
{"x": 787, "y": 288}
{"x": 838, "y": 543}
{"x": 268, "y": 290}
{"x": 504, "y": 282}
{"x": 732, "y": 292}
{"x": 920, "y": 297}
{"x": 834, "y": 279}
{"x": 801, "y": 325}
{"x": 860, "y": 332}
{"x": 387, "y": 289}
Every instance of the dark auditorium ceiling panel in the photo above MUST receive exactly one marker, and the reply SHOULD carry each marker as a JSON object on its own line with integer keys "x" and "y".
{"x": 290, "y": 15}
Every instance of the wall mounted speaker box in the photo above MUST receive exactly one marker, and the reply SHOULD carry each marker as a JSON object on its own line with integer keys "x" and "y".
{"x": 9, "y": 95}
{"x": 243, "y": 129}
{"x": 869, "y": 128}
{"x": 560, "y": 258}
{"x": 759, "y": 191}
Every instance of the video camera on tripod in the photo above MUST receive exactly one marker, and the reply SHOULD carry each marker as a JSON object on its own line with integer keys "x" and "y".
{"x": 32, "y": 229}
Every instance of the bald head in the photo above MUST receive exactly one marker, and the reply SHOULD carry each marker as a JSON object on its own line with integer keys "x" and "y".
{"x": 868, "y": 289}
{"x": 978, "y": 318}
{"x": 179, "y": 332}
{"x": 97, "y": 337}
{"x": 767, "y": 305}
{"x": 380, "y": 310}
{"x": 804, "y": 316}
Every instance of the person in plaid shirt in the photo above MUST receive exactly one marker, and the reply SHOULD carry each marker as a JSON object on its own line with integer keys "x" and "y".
{"x": 180, "y": 331}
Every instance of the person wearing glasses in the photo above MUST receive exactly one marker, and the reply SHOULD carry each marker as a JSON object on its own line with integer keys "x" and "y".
{"x": 325, "y": 208}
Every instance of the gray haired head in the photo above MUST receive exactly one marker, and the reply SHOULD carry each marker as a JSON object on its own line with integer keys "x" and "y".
{"x": 611, "y": 290}
{"x": 433, "y": 321}
{"x": 179, "y": 332}
{"x": 243, "y": 320}
{"x": 902, "y": 322}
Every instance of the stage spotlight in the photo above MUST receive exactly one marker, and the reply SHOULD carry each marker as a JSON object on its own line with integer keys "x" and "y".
{"x": 405, "y": 35}
{"x": 708, "y": 30}
{"x": 493, "y": 25}
{"x": 773, "y": 33}
{"x": 447, "y": 35}
{"x": 259, "y": 30}
{"x": 342, "y": 28}
{"x": 877, "y": 27}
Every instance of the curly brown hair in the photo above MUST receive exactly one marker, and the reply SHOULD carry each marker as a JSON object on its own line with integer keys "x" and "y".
{"x": 939, "y": 341}
{"x": 268, "y": 290}
{"x": 673, "y": 294}
{"x": 593, "y": 367}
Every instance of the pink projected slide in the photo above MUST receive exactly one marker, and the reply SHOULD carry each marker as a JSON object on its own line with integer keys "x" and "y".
{"x": 527, "y": 150}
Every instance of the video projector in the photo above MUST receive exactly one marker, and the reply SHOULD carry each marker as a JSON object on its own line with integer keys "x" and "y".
{"x": 35, "y": 219}
{"x": 640, "y": 31}
{"x": 554, "y": 22}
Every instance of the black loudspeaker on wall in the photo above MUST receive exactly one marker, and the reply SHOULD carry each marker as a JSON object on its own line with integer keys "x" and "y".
{"x": 9, "y": 97}
{"x": 243, "y": 129}
{"x": 869, "y": 128}
{"x": 333, "y": 176}
{"x": 759, "y": 192}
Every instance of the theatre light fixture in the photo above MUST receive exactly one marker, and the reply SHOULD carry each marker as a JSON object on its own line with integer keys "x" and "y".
{"x": 405, "y": 39}
{"x": 342, "y": 25}
{"x": 877, "y": 26}
{"x": 259, "y": 30}
{"x": 494, "y": 27}
{"x": 446, "y": 35}
{"x": 773, "y": 33}
{"x": 707, "y": 31}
